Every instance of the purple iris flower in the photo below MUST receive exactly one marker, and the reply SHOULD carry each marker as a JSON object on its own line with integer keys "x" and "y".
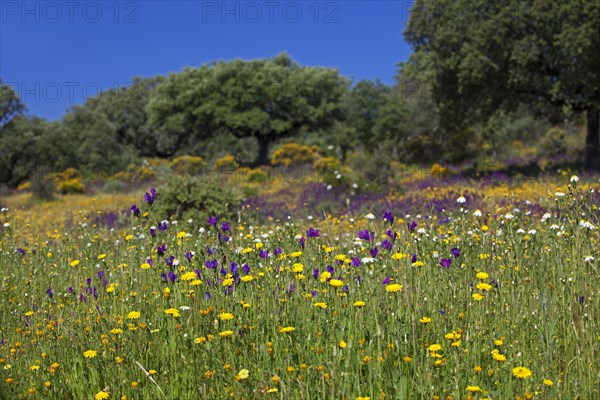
{"x": 263, "y": 253}
{"x": 207, "y": 296}
{"x": 346, "y": 289}
{"x": 388, "y": 217}
{"x": 413, "y": 258}
{"x": 82, "y": 298}
{"x": 330, "y": 269}
{"x": 359, "y": 280}
{"x": 212, "y": 264}
{"x": 213, "y": 220}
{"x": 163, "y": 226}
{"x": 278, "y": 251}
{"x": 71, "y": 290}
{"x": 316, "y": 273}
{"x": 21, "y": 251}
{"x": 302, "y": 242}
{"x": 314, "y": 293}
{"x": 172, "y": 276}
{"x": 291, "y": 289}
{"x": 312, "y": 233}
{"x": 149, "y": 261}
{"x": 386, "y": 280}
{"x": 412, "y": 225}
{"x": 581, "y": 299}
{"x": 386, "y": 244}
{"x": 135, "y": 210}
{"x": 150, "y": 197}
{"x": 189, "y": 255}
{"x": 223, "y": 271}
{"x": 209, "y": 251}
{"x": 49, "y": 292}
{"x": 246, "y": 269}
{"x": 198, "y": 273}
{"x": 374, "y": 252}
{"x": 153, "y": 231}
{"x": 356, "y": 262}
{"x": 89, "y": 281}
{"x": 164, "y": 277}
{"x": 392, "y": 235}
{"x": 233, "y": 267}
{"x": 455, "y": 252}
{"x": 225, "y": 227}
{"x": 161, "y": 249}
{"x": 170, "y": 260}
{"x": 365, "y": 235}
{"x": 445, "y": 262}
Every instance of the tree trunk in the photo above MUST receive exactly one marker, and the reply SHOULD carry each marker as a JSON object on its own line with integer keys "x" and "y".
{"x": 592, "y": 141}
{"x": 263, "y": 150}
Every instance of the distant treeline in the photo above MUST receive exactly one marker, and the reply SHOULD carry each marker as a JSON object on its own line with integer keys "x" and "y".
{"x": 507, "y": 85}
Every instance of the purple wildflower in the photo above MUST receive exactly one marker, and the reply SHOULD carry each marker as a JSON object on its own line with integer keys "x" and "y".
{"x": 49, "y": 292}
{"x": 225, "y": 227}
{"x": 278, "y": 251}
{"x": 153, "y": 231}
{"x": 246, "y": 269}
{"x": 445, "y": 262}
{"x": 412, "y": 225}
{"x": 330, "y": 269}
{"x": 291, "y": 288}
{"x": 388, "y": 217}
{"x": 365, "y": 235}
{"x": 163, "y": 226}
{"x": 386, "y": 280}
{"x": 392, "y": 235}
{"x": 316, "y": 273}
{"x": 263, "y": 253}
{"x": 21, "y": 251}
{"x": 413, "y": 258}
{"x": 207, "y": 296}
{"x": 161, "y": 249}
{"x": 312, "y": 233}
{"x": 386, "y": 244}
{"x": 233, "y": 267}
{"x": 213, "y": 220}
{"x": 359, "y": 280}
{"x": 212, "y": 264}
{"x": 135, "y": 210}
{"x": 455, "y": 252}
{"x": 355, "y": 262}
{"x": 314, "y": 293}
{"x": 149, "y": 261}
{"x": 189, "y": 255}
{"x": 172, "y": 276}
{"x": 301, "y": 242}
{"x": 170, "y": 261}
{"x": 374, "y": 252}
{"x": 150, "y": 197}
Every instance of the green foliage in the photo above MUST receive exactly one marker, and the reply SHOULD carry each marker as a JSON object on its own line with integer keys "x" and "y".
{"x": 71, "y": 186}
{"x": 508, "y": 54}
{"x": 190, "y": 165}
{"x": 294, "y": 153}
{"x": 43, "y": 187}
{"x": 188, "y": 197}
{"x": 262, "y": 99}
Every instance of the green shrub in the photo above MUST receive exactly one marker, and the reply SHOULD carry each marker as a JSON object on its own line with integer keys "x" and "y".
{"x": 187, "y": 197}
{"x": 71, "y": 186}
{"x": 190, "y": 165}
{"x": 43, "y": 187}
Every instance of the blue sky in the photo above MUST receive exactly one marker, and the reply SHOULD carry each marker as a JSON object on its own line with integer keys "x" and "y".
{"x": 57, "y": 53}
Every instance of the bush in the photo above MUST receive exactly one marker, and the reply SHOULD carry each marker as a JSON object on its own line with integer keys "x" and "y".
{"x": 257, "y": 175}
{"x": 71, "y": 186}
{"x": 188, "y": 165}
{"x": 187, "y": 197}
{"x": 294, "y": 153}
{"x": 226, "y": 163}
{"x": 43, "y": 187}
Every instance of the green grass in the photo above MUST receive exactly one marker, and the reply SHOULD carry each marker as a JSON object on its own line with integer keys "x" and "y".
{"x": 542, "y": 311}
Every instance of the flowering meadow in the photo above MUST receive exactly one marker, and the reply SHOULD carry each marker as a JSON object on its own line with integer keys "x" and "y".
{"x": 459, "y": 291}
